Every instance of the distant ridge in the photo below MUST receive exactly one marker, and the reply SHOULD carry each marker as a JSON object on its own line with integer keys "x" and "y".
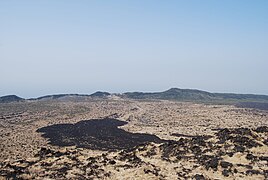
{"x": 172, "y": 94}
{"x": 100, "y": 94}
{"x": 57, "y": 96}
{"x": 10, "y": 98}
{"x": 197, "y": 96}
{"x": 176, "y": 94}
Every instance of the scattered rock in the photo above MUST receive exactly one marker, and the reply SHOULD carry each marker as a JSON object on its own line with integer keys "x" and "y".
{"x": 217, "y": 154}
{"x": 251, "y": 172}
{"x": 212, "y": 163}
{"x": 262, "y": 129}
{"x": 226, "y": 172}
{"x": 199, "y": 177}
{"x": 225, "y": 164}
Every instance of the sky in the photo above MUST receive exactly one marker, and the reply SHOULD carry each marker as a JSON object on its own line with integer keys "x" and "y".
{"x": 68, "y": 46}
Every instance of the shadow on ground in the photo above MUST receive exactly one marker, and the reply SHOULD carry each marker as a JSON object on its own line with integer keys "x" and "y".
{"x": 101, "y": 134}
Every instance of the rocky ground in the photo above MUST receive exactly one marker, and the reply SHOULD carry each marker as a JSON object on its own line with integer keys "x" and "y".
{"x": 240, "y": 153}
{"x": 165, "y": 140}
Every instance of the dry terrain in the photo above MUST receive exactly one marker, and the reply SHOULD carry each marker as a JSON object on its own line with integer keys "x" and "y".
{"x": 64, "y": 139}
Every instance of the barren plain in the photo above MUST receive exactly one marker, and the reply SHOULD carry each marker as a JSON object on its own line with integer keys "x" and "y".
{"x": 160, "y": 140}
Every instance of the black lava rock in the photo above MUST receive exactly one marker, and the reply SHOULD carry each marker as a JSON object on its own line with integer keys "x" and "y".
{"x": 112, "y": 162}
{"x": 213, "y": 163}
{"x": 251, "y": 171}
{"x": 199, "y": 177}
{"x": 262, "y": 129}
{"x": 225, "y": 164}
{"x": 226, "y": 172}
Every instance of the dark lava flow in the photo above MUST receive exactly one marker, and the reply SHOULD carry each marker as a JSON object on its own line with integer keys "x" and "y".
{"x": 101, "y": 134}
{"x": 253, "y": 105}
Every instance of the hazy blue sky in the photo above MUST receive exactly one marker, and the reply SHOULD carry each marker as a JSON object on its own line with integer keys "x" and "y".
{"x": 64, "y": 46}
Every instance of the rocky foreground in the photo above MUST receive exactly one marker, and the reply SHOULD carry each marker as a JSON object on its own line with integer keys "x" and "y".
{"x": 238, "y": 153}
